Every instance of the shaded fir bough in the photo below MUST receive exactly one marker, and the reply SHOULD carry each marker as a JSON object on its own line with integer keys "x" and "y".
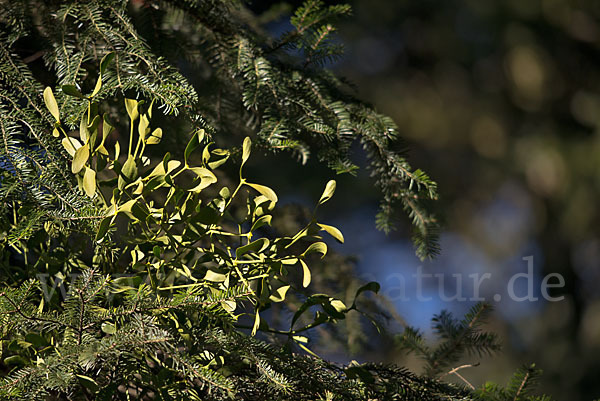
{"x": 457, "y": 338}
{"x": 134, "y": 267}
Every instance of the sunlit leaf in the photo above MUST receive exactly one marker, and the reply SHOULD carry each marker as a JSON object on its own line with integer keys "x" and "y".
{"x": 338, "y": 305}
{"x": 206, "y": 178}
{"x": 215, "y": 276}
{"x": 143, "y": 126}
{"x": 256, "y": 324}
{"x": 89, "y": 182}
{"x": 126, "y": 207}
{"x": 117, "y": 150}
{"x": 217, "y": 158}
{"x": 279, "y": 294}
{"x": 129, "y": 169}
{"x": 229, "y": 305}
{"x": 97, "y": 87}
{"x": 266, "y": 191}
{"x": 51, "y": 104}
{"x": 132, "y": 109}
{"x": 106, "y": 127}
{"x": 108, "y": 328}
{"x": 316, "y": 247}
{"x": 328, "y": 192}
{"x": 83, "y": 129}
{"x": 154, "y": 137}
{"x": 333, "y": 231}
{"x": 306, "y": 277}
{"x": 71, "y": 145}
{"x": 172, "y": 165}
{"x": 246, "y": 149}
{"x": 80, "y": 157}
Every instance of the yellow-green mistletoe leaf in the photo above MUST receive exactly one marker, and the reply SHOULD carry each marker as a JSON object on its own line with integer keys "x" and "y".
{"x": 206, "y": 178}
{"x": 306, "y": 277}
{"x": 80, "y": 158}
{"x": 333, "y": 231}
{"x": 84, "y": 133}
{"x": 256, "y": 323}
{"x": 338, "y": 305}
{"x": 215, "y": 277}
{"x": 279, "y": 294}
{"x": 117, "y": 150}
{"x": 246, "y": 149}
{"x": 126, "y": 207}
{"x": 266, "y": 191}
{"x": 51, "y": 104}
{"x": 318, "y": 247}
{"x": 89, "y": 182}
{"x": 97, "y": 87}
{"x": 71, "y": 145}
{"x": 132, "y": 109}
{"x": 108, "y": 328}
{"x": 328, "y": 192}
{"x": 106, "y": 127}
{"x": 129, "y": 169}
{"x": 154, "y": 137}
{"x": 229, "y": 305}
{"x": 143, "y": 126}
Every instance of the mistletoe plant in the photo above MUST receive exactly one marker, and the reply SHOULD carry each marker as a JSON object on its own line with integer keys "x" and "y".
{"x": 184, "y": 247}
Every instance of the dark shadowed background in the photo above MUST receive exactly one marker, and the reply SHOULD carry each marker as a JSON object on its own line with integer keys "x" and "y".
{"x": 500, "y": 103}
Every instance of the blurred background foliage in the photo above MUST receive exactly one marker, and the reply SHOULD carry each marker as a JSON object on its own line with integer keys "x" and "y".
{"x": 500, "y": 103}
